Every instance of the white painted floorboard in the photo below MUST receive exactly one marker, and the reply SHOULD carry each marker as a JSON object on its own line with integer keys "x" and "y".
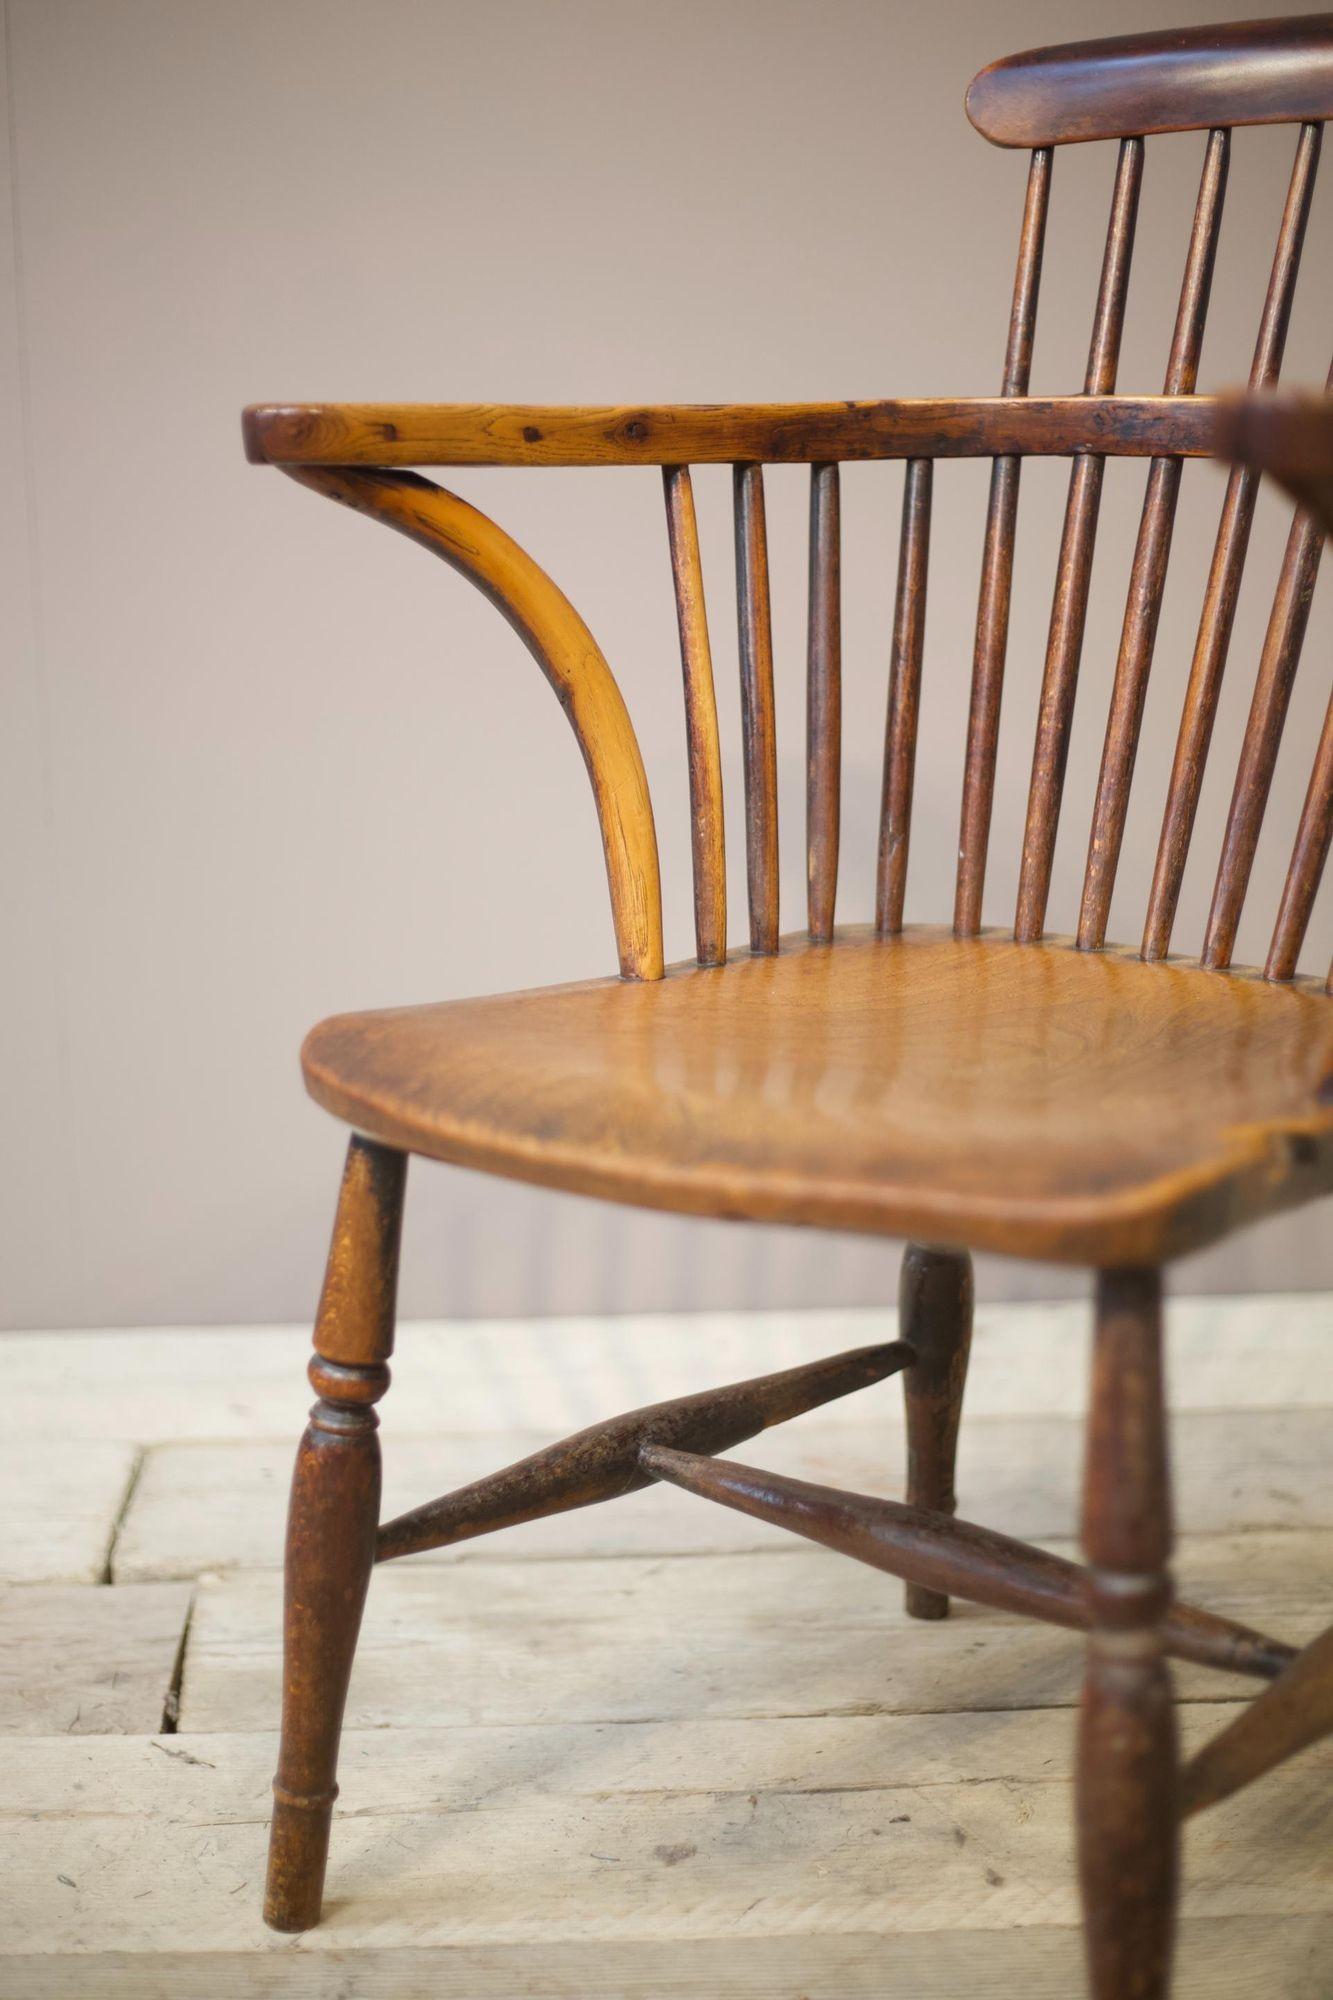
{"x": 651, "y": 1749}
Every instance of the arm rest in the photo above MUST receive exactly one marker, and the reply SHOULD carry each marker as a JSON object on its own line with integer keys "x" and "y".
{"x": 403, "y": 434}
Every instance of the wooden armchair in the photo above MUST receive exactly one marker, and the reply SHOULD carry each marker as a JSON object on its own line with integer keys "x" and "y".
{"x": 959, "y": 1088}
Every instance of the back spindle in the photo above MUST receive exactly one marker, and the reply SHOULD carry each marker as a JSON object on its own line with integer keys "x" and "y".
{"x": 1309, "y": 855}
{"x": 1263, "y": 732}
{"x": 1073, "y": 574}
{"x": 758, "y": 730}
{"x": 701, "y": 731}
{"x": 823, "y": 701}
{"x": 1224, "y": 577}
{"x": 997, "y": 569}
{"x": 909, "y": 628}
{"x": 1148, "y": 576}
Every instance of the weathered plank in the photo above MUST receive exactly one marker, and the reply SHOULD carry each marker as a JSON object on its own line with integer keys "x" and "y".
{"x": 562, "y": 1860}
{"x": 1233, "y": 1470}
{"x": 82, "y": 1660}
{"x": 796, "y": 1632}
{"x": 58, "y": 1510}
{"x": 1216, "y": 1959}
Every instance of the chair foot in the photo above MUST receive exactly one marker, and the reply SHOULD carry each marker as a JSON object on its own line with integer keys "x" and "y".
{"x": 935, "y": 1296}
{"x": 298, "y": 1853}
{"x": 331, "y": 1525}
{"x": 1127, "y": 1754}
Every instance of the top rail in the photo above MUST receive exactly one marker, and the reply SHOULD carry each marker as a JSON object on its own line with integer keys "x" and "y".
{"x": 412, "y": 434}
{"x": 1176, "y": 80}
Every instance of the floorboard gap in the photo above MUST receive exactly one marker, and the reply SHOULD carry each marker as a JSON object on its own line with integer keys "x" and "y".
{"x": 171, "y": 1707}
{"x": 108, "y": 1575}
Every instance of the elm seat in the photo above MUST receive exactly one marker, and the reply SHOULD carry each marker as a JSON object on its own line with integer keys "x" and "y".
{"x": 969, "y": 1091}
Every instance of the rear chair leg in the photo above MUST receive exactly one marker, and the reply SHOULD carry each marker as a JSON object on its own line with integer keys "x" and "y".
{"x": 331, "y": 1524}
{"x": 1127, "y": 1760}
{"x": 935, "y": 1295}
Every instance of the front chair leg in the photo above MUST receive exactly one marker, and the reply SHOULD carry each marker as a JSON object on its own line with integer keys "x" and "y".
{"x": 1127, "y": 1760}
{"x": 332, "y": 1523}
{"x": 935, "y": 1295}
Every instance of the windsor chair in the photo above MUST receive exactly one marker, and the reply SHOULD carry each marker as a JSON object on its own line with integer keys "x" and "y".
{"x": 956, "y": 1087}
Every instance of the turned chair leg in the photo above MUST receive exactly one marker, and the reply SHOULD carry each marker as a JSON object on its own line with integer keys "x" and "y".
{"x": 332, "y": 1523}
{"x": 1127, "y": 1758}
{"x": 935, "y": 1294}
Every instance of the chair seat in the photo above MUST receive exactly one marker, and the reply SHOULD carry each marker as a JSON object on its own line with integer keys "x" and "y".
{"x": 1031, "y": 1099}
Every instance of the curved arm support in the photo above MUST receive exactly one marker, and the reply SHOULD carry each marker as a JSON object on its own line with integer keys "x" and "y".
{"x": 567, "y": 654}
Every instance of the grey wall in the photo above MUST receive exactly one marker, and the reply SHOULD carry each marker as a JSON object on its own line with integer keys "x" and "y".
{"x": 261, "y": 761}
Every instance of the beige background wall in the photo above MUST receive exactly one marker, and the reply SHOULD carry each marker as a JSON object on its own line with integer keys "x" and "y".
{"x": 261, "y": 761}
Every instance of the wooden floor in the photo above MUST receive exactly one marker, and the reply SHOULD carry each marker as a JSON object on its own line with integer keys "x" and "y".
{"x": 654, "y": 1749}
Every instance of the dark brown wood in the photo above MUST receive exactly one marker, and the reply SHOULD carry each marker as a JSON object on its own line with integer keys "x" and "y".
{"x": 823, "y": 702}
{"x": 1313, "y": 838}
{"x": 936, "y": 1294}
{"x": 997, "y": 569}
{"x": 1064, "y": 645}
{"x": 1286, "y": 1718}
{"x": 1224, "y": 577}
{"x": 703, "y": 746}
{"x": 1291, "y": 436}
{"x": 946, "y": 1556}
{"x": 1263, "y": 734}
{"x": 602, "y": 1462}
{"x": 1127, "y": 1754}
{"x": 759, "y": 744}
{"x": 1173, "y": 80}
{"x": 412, "y": 434}
{"x": 331, "y": 1524}
{"x": 1143, "y": 607}
{"x": 909, "y": 631}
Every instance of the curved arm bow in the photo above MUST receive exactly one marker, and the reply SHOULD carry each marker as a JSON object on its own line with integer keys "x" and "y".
{"x": 567, "y": 654}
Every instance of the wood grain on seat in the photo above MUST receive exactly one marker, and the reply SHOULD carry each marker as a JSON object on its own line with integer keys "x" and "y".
{"x": 1041, "y": 1101}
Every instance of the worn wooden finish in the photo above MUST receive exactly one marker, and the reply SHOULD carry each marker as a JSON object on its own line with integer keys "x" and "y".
{"x": 331, "y": 1525}
{"x": 1287, "y": 1718}
{"x": 997, "y": 570}
{"x": 1291, "y": 436}
{"x": 1309, "y": 855}
{"x": 1263, "y": 734}
{"x": 1127, "y": 1756}
{"x": 1224, "y": 577}
{"x": 703, "y": 745}
{"x": 967, "y": 1091}
{"x": 923, "y": 1086}
{"x": 759, "y": 744}
{"x": 942, "y": 1555}
{"x": 603, "y": 1462}
{"x": 1152, "y": 551}
{"x": 410, "y": 434}
{"x": 567, "y": 654}
{"x": 909, "y": 631}
{"x": 936, "y": 1294}
{"x": 823, "y": 702}
{"x": 1173, "y": 80}
{"x": 1064, "y": 645}
{"x": 1244, "y": 1470}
